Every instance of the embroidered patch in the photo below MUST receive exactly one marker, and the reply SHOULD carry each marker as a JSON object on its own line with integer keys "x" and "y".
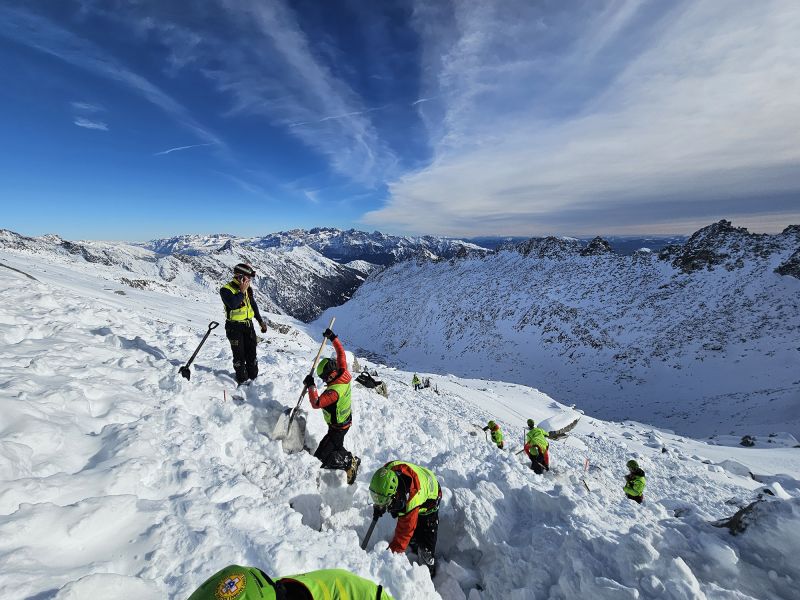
{"x": 231, "y": 587}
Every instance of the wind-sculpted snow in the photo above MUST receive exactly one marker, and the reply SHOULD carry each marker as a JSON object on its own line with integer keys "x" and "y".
{"x": 704, "y": 340}
{"x": 120, "y": 479}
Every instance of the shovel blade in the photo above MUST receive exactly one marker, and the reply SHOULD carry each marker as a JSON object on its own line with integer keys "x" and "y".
{"x": 185, "y": 372}
{"x": 292, "y": 436}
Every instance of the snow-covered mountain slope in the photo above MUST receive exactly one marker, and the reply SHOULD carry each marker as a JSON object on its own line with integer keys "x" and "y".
{"x": 703, "y": 338}
{"x": 120, "y": 479}
{"x": 297, "y": 280}
{"x": 342, "y": 246}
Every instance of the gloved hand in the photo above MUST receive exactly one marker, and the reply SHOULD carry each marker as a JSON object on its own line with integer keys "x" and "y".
{"x": 263, "y": 327}
{"x": 377, "y": 511}
{"x": 329, "y": 334}
{"x": 309, "y": 381}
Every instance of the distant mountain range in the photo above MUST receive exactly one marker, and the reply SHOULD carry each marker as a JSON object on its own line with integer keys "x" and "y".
{"x": 342, "y": 246}
{"x": 697, "y": 337}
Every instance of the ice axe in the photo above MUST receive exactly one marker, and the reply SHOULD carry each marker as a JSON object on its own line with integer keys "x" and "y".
{"x": 311, "y": 372}
{"x": 184, "y": 370}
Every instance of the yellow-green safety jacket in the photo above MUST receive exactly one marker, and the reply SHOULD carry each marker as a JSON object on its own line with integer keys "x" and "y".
{"x": 338, "y": 584}
{"x": 245, "y": 311}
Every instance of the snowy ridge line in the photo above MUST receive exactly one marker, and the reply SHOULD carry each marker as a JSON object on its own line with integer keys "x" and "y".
{"x": 700, "y": 339}
{"x": 164, "y": 482}
{"x": 296, "y": 281}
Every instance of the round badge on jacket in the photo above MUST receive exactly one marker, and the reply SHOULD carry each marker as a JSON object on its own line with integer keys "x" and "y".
{"x": 232, "y": 586}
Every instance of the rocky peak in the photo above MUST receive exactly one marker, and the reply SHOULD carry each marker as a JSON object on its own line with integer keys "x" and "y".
{"x": 546, "y": 247}
{"x": 720, "y": 244}
{"x": 597, "y": 247}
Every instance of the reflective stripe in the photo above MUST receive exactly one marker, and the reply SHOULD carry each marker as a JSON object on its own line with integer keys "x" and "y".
{"x": 245, "y": 311}
{"x": 339, "y": 412}
{"x": 428, "y": 488}
{"x": 337, "y": 584}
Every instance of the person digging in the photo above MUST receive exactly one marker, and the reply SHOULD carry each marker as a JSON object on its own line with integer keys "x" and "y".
{"x": 537, "y": 448}
{"x": 335, "y": 403}
{"x": 412, "y": 495}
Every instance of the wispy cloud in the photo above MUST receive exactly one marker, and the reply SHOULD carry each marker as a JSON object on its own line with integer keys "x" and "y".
{"x": 89, "y": 124}
{"x": 627, "y": 109}
{"x": 179, "y": 148}
{"x": 45, "y": 36}
{"x": 87, "y": 107}
{"x": 274, "y": 73}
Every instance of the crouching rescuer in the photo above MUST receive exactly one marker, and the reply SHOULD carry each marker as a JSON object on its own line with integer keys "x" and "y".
{"x": 240, "y": 309}
{"x": 336, "y": 409}
{"x": 412, "y": 495}
{"x": 634, "y": 482}
{"x": 249, "y": 583}
{"x": 537, "y": 448}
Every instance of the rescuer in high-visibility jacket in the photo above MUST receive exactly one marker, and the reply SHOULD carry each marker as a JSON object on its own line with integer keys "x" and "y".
{"x": 634, "y": 482}
{"x": 497, "y": 433}
{"x": 537, "y": 448}
{"x": 240, "y": 309}
{"x": 412, "y": 495}
{"x": 235, "y": 582}
{"x": 335, "y": 403}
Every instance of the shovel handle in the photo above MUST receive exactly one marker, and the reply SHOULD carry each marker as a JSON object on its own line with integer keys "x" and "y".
{"x": 369, "y": 532}
{"x": 311, "y": 372}
{"x": 213, "y": 325}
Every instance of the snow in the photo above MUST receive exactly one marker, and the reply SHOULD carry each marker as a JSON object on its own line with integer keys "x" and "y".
{"x": 712, "y": 352}
{"x": 119, "y": 478}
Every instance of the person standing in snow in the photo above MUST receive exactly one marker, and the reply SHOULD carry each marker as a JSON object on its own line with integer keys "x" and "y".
{"x": 497, "y": 433}
{"x": 537, "y": 448}
{"x": 336, "y": 409}
{"x": 634, "y": 482}
{"x": 235, "y": 582}
{"x": 412, "y": 495}
{"x": 416, "y": 383}
{"x": 240, "y": 308}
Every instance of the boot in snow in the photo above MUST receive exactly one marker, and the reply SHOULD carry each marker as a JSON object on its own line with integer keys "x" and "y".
{"x": 426, "y": 558}
{"x": 352, "y": 470}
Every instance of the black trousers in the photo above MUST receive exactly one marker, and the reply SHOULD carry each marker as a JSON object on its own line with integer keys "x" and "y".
{"x": 242, "y": 336}
{"x": 331, "y": 451}
{"x": 426, "y": 532}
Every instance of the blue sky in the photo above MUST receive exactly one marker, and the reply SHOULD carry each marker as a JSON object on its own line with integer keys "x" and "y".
{"x": 142, "y": 119}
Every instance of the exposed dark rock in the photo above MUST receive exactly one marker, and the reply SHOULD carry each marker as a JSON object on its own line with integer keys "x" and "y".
{"x": 791, "y": 266}
{"x": 748, "y": 441}
{"x": 546, "y": 247}
{"x": 598, "y": 246}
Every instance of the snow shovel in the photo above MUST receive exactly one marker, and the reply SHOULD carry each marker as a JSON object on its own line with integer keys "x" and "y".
{"x": 369, "y": 531}
{"x": 184, "y": 370}
{"x": 288, "y": 416}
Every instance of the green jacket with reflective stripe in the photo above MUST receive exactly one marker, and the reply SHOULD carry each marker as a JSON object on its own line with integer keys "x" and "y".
{"x": 428, "y": 487}
{"x": 635, "y": 483}
{"x": 339, "y": 412}
{"x": 245, "y": 311}
{"x": 537, "y": 437}
{"x": 338, "y": 584}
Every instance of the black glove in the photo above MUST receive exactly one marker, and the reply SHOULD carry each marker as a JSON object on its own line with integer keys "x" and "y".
{"x": 329, "y": 334}
{"x": 309, "y": 381}
{"x": 377, "y": 511}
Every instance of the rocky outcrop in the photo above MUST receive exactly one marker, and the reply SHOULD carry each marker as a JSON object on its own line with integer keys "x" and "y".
{"x": 597, "y": 247}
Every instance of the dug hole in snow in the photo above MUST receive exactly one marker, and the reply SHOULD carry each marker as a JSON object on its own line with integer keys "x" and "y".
{"x": 118, "y": 474}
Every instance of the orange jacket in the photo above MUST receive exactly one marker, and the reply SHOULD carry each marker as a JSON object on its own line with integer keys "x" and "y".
{"x": 329, "y": 396}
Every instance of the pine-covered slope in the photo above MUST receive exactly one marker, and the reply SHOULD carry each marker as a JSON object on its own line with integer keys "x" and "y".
{"x": 297, "y": 281}
{"x": 700, "y": 338}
